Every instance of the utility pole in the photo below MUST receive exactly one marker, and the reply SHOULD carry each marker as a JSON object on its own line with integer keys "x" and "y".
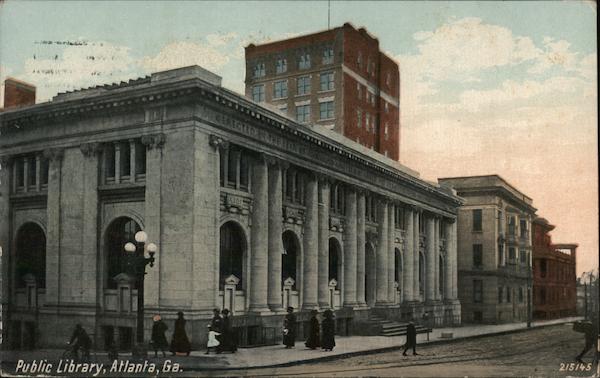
{"x": 328, "y": 14}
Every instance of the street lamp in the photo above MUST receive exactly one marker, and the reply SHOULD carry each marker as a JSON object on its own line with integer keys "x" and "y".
{"x": 138, "y": 262}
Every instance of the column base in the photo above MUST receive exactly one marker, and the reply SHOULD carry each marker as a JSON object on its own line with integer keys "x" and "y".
{"x": 309, "y": 306}
{"x": 259, "y": 310}
{"x": 362, "y": 305}
{"x": 276, "y": 309}
{"x": 382, "y": 304}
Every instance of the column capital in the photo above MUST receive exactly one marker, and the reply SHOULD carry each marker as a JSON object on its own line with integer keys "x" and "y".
{"x": 54, "y": 154}
{"x": 276, "y": 161}
{"x": 450, "y": 220}
{"x": 154, "y": 141}
{"x": 5, "y": 160}
{"x": 324, "y": 179}
{"x": 217, "y": 142}
{"x": 91, "y": 149}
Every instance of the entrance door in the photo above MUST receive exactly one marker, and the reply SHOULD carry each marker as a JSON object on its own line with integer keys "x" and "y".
{"x": 370, "y": 272}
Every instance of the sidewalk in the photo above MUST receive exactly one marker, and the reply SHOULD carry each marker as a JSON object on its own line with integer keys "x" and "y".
{"x": 278, "y": 356}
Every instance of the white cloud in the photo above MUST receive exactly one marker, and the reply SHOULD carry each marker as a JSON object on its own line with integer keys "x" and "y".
{"x": 181, "y": 54}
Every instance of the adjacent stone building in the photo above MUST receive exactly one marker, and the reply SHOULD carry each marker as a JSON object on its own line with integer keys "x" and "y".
{"x": 554, "y": 276}
{"x": 250, "y": 210}
{"x": 337, "y": 79}
{"x": 494, "y": 249}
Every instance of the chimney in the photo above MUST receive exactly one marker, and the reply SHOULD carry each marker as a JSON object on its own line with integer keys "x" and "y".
{"x": 18, "y": 93}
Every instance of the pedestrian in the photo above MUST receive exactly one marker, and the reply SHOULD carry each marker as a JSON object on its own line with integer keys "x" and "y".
{"x": 214, "y": 331}
{"x": 158, "y": 339}
{"x": 411, "y": 339}
{"x": 590, "y": 331}
{"x": 313, "y": 340}
{"x": 180, "y": 342}
{"x": 289, "y": 329}
{"x": 328, "y": 340}
{"x": 227, "y": 340}
{"x": 81, "y": 340}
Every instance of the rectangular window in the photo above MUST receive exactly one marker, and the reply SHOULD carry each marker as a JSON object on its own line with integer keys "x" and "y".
{"x": 303, "y": 84}
{"x": 500, "y": 222}
{"x": 281, "y": 66}
{"x": 500, "y": 294}
{"x": 477, "y": 220}
{"x": 512, "y": 226}
{"x": 477, "y": 256}
{"x": 328, "y": 55}
{"x": 303, "y": 113}
{"x": 280, "y": 89}
{"x": 367, "y": 121}
{"x": 359, "y": 91}
{"x": 44, "y": 171}
{"x": 386, "y": 107}
{"x": 386, "y": 131}
{"x": 477, "y": 291}
{"x": 523, "y": 228}
{"x": 358, "y": 118}
{"x": 500, "y": 254}
{"x": 258, "y": 93}
{"x": 326, "y": 110}
{"x": 512, "y": 254}
{"x": 304, "y": 61}
{"x": 31, "y": 167}
{"x": 259, "y": 70}
{"x": 140, "y": 158}
{"x": 523, "y": 256}
{"x": 327, "y": 81}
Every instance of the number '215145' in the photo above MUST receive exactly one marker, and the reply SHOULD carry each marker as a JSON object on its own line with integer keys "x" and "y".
{"x": 572, "y": 366}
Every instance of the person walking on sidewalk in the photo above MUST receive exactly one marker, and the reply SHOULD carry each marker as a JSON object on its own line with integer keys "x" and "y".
{"x": 180, "y": 342}
{"x": 81, "y": 340}
{"x": 228, "y": 342}
{"x": 411, "y": 339}
{"x": 214, "y": 332}
{"x": 289, "y": 329}
{"x": 328, "y": 340}
{"x": 158, "y": 339}
{"x": 313, "y": 340}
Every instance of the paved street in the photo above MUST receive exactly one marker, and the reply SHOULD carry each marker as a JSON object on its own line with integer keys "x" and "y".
{"x": 538, "y": 352}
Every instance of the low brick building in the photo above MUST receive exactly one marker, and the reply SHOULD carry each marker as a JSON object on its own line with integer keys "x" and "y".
{"x": 554, "y": 274}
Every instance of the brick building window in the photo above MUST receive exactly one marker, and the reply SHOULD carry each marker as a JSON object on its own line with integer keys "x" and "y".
{"x": 358, "y": 118}
{"x": 359, "y": 60}
{"x": 477, "y": 220}
{"x": 477, "y": 256}
{"x": 477, "y": 291}
{"x": 326, "y": 110}
{"x": 386, "y": 131}
{"x": 367, "y": 121}
{"x": 386, "y": 107}
{"x": 523, "y": 228}
{"x": 303, "y": 85}
{"x": 259, "y": 70}
{"x": 328, "y": 55}
{"x": 304, "y": 61}
{"x": 303, "y": 113}
{"x": 258, "y": 93}
{"x": 327, "y": 83}
{"x": 388, "y": 79}
{"x": 359, "y": 91}
{"x": 281, "y": 66}
{"x": 280, "y": 89}
{"x": 543, "y": 268}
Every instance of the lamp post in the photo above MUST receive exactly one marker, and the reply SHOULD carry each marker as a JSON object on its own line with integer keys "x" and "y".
{"x": 529, "y": 289}
{"x": 138, "y": 262}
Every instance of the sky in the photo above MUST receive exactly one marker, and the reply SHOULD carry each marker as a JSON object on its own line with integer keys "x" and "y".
{"x": 506, "y": 88}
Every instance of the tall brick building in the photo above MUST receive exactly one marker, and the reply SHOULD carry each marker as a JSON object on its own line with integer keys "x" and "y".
{"x": 337, "y": 79}
{"x": 554, "y": 277}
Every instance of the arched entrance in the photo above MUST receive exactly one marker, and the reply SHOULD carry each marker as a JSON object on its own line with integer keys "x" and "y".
{"x": 121, "y": 231}
{"x": 232, "y": 250}
{"x": 289, "y": 260}
{"x": 370, "y": 274}
{"x": 30, "y": 255}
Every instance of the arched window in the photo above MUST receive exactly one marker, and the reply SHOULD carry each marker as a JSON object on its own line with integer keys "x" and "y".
{"x": 31, "y": 254}
{"x": 397, "y": 265}
{"x": 232, "y": 248}
{"x": 335, "y": 261}
{"x": 289, "y": 259}
{"x": 120, "y": 231}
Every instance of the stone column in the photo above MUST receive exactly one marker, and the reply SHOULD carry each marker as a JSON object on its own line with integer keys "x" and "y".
{"x": 350, "y": 249}
{"x": 310, "y": 259}
{"x": 260, "y": 237}
{"x": 360, "y": 250}
{"x": 448, "y": 264}
{"x": 118, "y": 162}
{"x": 382, "y": 259}
{"x": 152, "y": 214}
{"x": 38, "y": 172}
{"x": 90, "y": 153}
{"x": 436, "y": 254}
{"x": 275, "y": 235}
{"x": 53, "y": 272}
{"x": 408, "y": 267}
{"x": 454, "y": 258}
{"x": 132, "y": 168}
{"x": 323, "y": 281}
{"x": 430, "y": 257}
{"x": 416, "y": 253}
{"x": 5, "y": 165}
{"x": 391, "y": 255}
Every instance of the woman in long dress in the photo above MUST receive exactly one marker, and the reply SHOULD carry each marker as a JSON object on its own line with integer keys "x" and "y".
{"x": 313, "y": 340}
{"x": 328, "y": 341}
{"x": 180, "y": 342}
{"x": 289, "y": 329}
{"x": 228, "y": 342}
{"x": 159, "y": 340}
